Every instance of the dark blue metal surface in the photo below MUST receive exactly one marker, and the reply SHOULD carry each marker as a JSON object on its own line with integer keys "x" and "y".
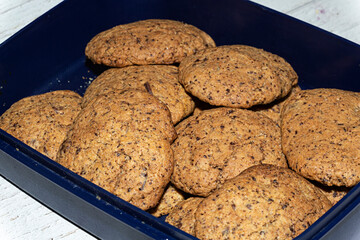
{"x": 49, "y": 55}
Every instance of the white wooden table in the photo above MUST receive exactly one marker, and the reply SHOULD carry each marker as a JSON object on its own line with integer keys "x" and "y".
{"x": 22, "y": 217}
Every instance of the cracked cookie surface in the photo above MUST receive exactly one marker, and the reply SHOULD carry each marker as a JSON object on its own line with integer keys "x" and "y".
{"x": 333, "y": 193}
{"x": 321, "y": 135}
{"x": 42, "y": 121}
{"x": 121, "y": 142}
{"x": 217, "y": 144}
{"x": 182, "y": 215}
{"x": 263, "y": 202}
{"x": 152, "y": 41}
{"x": 159, "y": 80}
{"x": 170, "y": 198}
{"x": 236, "y": 76}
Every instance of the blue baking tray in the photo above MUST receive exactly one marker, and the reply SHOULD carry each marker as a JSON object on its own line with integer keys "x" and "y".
{"x": 48, "y": 55}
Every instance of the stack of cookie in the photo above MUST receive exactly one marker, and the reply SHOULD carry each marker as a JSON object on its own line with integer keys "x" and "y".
{"x": 122, "y": 138}
{"x": 219, "y": 138}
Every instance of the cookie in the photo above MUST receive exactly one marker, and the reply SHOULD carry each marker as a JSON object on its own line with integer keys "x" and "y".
{"x": 273, "y": 110}
{"x": 42, "y": 121}
{"x": 152, "y": 41}
{"x": 182, "y": 215}
{"x": 171, "y": 197}
{"x": 159, "y": 80}
{"x": 218, "y": 144}
{"x": 236, "y": 76}
{"x": 263, "y": 202}
{"x": 321, "y": 135}
{"x": 333, "y": 193}
{"x": 121, "y": 142}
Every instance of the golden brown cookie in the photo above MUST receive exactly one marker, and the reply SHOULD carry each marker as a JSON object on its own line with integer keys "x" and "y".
{"x": 263, "y": 202}
{"x": 321, "y": 135}
{"x": 333, "y": 193}
{"x": 236, "y": 76}
{"x": 152, "y": 41}
{"x": 42, "y": 121}
{"x": 182, "y": 215}
{"x": 218, "y": 144}
{"x": 159, "y": 80}
{"x": 121, "y": 142}
{"x": 170, "y": 198}
{"x": 273, "y": 110}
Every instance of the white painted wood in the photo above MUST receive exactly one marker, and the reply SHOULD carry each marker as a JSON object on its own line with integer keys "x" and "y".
{"x": 339, "y": 17}
{"x": 22, "y": 217}
{"x": 15, "y": 14}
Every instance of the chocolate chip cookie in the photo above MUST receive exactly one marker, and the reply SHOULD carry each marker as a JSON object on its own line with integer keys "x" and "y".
{"x": 42, "y": 121}
{"x": 168, "y": 201}
{"x": 263, "y": 202}
{"x": 121, "y": 142}
{"x": 217, "y": 144}
{"x": 236, "y": 76}
{"x": 152, "y": 41}
{"x": 321, "y": 135}
{"x": 333, "y": 193}
{"x": 159, "y": 80}
{"x": 182, "y": 215}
